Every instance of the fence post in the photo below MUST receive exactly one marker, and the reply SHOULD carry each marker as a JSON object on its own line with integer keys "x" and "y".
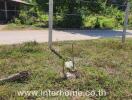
{"x": 6, "y": 13}
{"x": 50, "y": 21}
{"x": 125, "y": 22}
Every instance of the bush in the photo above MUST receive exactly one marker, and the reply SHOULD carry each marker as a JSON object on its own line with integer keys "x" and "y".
{"x": 58, "y": 21}
{"x": 25, "y": 17}
{"x": 119, "y": 17}
{"x": 130, "y": 21}
{"x": 90, "y": 22}
{"x": 32, "y": 17}
{"x": 99, "y": 22}
{"x": 73, "y": 21}
{"x": 106, "y": 23}
{"x": 17, "y": 21}
{"x": 116, "y": 13}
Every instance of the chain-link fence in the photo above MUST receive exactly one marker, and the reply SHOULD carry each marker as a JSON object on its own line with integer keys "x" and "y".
{"x": 9, "y": 10}
{"x": 70, "y": 14}
{"x": 88, "y": 15}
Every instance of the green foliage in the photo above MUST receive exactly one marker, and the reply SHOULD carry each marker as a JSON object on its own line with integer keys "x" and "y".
{"x": 69, "y": 22}
{"x": 32, "y": 17}
{"x": 130, "y": 22}
{"x": 112, "y": 14}
{"x": 116, "y": 13}
{"x": 99, "y": 22}
{"x": 25, "y": 18}
{"x": 90, "y": 22}
{"x": 17, "y": 21}
{"x": 106, "y": 23}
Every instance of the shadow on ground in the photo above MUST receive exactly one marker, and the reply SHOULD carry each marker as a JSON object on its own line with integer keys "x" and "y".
{"x": 98, "y": 33}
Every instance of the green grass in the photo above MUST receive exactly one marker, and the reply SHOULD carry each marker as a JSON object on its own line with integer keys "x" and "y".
{"x": 40, "y": 26}
{"x": 104, "y": 64}
{"x": 12, "y": 26}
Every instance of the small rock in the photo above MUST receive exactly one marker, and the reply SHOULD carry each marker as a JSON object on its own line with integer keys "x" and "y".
{"x": 70, "y": 75}
{"x": 73, "y": 75}
{"x": 69, "y": 64}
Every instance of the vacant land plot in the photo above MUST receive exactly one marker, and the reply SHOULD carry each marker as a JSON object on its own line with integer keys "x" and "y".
{"x": 104, "y": 64}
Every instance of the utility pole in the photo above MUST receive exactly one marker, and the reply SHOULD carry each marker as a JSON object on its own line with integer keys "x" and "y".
{"x": 125, "y": 22}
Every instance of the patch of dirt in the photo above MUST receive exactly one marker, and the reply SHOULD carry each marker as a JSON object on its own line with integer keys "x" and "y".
{"x": 111, "y": 71}
{"x": 2, "y": 27}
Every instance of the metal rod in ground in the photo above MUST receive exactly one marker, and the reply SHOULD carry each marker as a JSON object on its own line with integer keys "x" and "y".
{"x": 125, "y": 22}
{"x": 73, "y": 56}
{"x": 63, "y": 69}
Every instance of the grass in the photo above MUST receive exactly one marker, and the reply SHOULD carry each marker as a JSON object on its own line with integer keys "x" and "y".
{"x": 104, "y": 64}
{"x": 12, "y": 26}
{"x": 40, "y": 26}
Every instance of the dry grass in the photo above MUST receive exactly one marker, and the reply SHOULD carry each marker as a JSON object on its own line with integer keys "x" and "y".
{"x": 105, "y": 64}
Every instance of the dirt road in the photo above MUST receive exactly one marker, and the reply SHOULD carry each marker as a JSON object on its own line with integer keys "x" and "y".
{"x": 15, "y": 37}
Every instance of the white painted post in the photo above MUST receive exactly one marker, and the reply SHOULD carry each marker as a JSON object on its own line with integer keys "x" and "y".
{"x": 50, "y": 21}
{"x": 125, "y": 23}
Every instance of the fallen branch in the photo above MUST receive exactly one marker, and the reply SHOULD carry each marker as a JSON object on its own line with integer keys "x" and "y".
{"x": 21, "y": 76}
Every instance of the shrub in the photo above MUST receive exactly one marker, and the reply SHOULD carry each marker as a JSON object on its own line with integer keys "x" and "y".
{"x": 106, "y": 23}
{"x": 90, "y": 22}
{"x": 25, "y": 17}
{"x": 41, "y": 19}
{"x": 114, "y": 12}
{"x": 32, "y": 17}
{"x": 17, "y": 21}
{"x": 41, "y": 16}
{"x": 72, "y": 21}
{"x": 99, "y": 22}
{"x": 130, "y": 22}
{"x": 119, "y": 17}
{"x": 58, "y": 19}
